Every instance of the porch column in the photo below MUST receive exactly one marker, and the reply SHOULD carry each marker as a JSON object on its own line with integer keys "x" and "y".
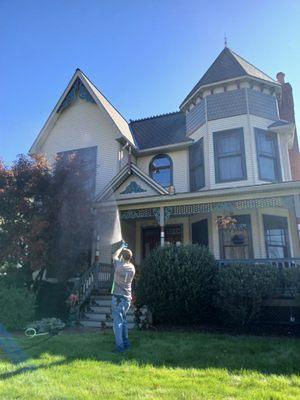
{"x": 162, "y": 226}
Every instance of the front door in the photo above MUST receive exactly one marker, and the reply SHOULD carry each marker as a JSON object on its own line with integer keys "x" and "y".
{"x": 200, "y": 232}
{"x": 151, "y": 237}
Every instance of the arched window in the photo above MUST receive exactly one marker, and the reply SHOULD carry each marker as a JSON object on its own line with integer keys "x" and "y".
{"x": 161, "y": 170}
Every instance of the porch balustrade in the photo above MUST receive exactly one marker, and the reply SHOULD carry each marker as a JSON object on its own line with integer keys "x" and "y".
{"x": 278, "y": 262}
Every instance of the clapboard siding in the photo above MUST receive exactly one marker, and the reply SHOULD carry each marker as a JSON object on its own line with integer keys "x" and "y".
{"x": 82, "y": 125}
{"x": 180, "y": 168}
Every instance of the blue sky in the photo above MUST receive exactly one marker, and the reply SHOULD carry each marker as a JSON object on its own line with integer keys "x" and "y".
{"x": 144, "y": 55}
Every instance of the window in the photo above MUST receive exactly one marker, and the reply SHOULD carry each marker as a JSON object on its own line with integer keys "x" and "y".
{"x": 229, "y": 150}
{"x": 236, "y": 241}
{"x": 161, "y": 170}
{"x": 267, "y": 155}
{"x": 196, "y": 159}
{"x": 276, "y": 236}
{"x": 85, "y": 160}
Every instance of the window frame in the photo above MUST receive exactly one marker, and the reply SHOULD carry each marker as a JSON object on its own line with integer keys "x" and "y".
{"x": 286, "y": 231}
{"x": 157, "y": 156}
{"x": 238, "y": 132}
{"x": 276, "y": 157}
{"x": 248, "y": 220}
{"x": 193, "y": 166}
{"x": 93, "y": 149}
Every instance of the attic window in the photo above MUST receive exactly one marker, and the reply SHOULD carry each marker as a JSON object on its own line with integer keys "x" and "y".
{"x": 161, "y": 170}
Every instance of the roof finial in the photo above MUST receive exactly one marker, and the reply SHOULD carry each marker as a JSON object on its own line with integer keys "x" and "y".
{"x": 225, "y": 40}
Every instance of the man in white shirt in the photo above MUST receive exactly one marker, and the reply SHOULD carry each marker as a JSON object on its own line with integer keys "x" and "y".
{"x": 124, "y": 272}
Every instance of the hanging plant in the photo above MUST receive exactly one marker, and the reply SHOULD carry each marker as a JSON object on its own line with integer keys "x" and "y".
{"x": 226, "y": 222}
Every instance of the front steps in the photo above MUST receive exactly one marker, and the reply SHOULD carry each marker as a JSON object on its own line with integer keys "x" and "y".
{"x": 98, "y": 313}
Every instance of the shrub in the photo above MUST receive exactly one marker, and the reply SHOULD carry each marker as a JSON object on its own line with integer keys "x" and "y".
{"x": 52, "y": 325}
{"x": 17, "y": 306}
{"x": 177, "y": 284}
{"x": 241, "y": 291}
{"x": 51, "y": 300}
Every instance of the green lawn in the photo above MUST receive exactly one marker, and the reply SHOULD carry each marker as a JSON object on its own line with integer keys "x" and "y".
{"x": 162, "y": 365}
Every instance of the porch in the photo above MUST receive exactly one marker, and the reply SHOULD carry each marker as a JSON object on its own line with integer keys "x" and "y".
{"x": 264, "y": 229}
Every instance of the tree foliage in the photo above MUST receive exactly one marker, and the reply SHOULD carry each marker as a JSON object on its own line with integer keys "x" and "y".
{"x": 45, "y": 215}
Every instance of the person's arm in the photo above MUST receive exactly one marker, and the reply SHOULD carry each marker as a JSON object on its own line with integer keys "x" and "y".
{"x": 116, "y": 254}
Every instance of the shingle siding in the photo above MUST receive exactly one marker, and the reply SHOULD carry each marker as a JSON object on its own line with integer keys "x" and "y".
{"x": 196, "y": 117}
{"x": 226, "y": 104}
{"x": 262, "y": 105}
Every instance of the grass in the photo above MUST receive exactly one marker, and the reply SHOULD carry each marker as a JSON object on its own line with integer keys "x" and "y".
{"x": 161, "y": 365}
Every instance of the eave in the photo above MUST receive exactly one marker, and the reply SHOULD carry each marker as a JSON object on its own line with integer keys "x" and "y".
{"x": 244, "y": 192}
{"x": 202, "y": 88}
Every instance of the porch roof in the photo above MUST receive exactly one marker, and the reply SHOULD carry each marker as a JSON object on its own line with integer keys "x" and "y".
{"x": 243, "y": 192}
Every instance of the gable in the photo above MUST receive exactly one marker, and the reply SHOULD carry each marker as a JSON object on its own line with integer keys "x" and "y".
{"x": 81, "y": 88}
{"x": 130, "y": 182}
{"x": 133, "y": 187}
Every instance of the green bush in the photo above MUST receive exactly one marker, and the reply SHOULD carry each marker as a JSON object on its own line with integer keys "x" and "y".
{"x": 177, "y": 284}
{"x": 17, "y": 306}
{"x": 241, "y": 291}
{"x": 51, "y": 300}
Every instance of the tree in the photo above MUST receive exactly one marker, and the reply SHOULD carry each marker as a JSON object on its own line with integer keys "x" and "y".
{"x": 23, "y": 215}
{"x": 45, "y": 215}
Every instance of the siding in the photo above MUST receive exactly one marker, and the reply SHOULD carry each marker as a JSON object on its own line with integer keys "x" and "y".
{"x": 262, "y": 105}
{"x": 180, "y": 168}
{"x": 83, "y": 125}
{"x": 196, "y": 117}
{"x": 230, "y": 104}
{"x": 226, "y": 104}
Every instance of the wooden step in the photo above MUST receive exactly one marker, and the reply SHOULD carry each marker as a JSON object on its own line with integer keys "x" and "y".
{"x": 104, "y": 317}
{"x": 99, "y": 324}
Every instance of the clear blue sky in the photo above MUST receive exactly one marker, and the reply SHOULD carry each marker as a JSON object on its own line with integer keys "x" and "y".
{"x": 144, "y": 55}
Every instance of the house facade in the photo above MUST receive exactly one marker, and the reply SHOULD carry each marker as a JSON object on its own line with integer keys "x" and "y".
{"x": 228, "y": 158}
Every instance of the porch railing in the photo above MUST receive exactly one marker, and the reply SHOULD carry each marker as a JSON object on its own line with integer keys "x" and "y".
{"x": 278, "y": 262}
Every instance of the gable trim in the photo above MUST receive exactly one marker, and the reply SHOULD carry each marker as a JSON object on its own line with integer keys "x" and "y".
{"x": 122, "y": 176}
{"x": 100, "y": 101}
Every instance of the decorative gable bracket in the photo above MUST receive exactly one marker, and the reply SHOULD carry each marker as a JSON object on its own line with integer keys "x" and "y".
{"x": 77, "y": 90}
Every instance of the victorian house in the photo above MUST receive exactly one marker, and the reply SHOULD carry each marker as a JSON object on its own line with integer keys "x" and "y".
{"x": 229, "y": 155}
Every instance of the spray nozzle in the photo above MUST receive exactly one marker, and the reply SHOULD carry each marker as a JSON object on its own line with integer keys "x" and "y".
{"x": 124, "y": 245}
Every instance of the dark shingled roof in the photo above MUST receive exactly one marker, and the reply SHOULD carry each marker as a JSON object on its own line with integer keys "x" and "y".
{"x": 228, "y": 65}
{"x": 280, "y": 122}
{"x": 160, "y": 130}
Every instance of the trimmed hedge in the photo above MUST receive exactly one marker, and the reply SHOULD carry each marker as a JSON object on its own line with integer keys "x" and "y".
{"x": 241, "y": 291}
{"x": 177, "y": 284}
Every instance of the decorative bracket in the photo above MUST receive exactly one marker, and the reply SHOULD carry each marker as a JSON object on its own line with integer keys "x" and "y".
{"x": 133, "y": 187}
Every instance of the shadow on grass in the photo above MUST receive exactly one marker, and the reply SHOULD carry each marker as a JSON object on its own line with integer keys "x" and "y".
{"x": 29, "y": 368}
{"x": 175, "y": 350}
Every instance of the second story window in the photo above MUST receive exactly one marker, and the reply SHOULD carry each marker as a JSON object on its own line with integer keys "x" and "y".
{"x": 161, "y": 170}
{"x": 196, "y": 158}
{"x": 85, "y": 160}
{"x": 267, "y": 155}
{"x": 229, "y": 150}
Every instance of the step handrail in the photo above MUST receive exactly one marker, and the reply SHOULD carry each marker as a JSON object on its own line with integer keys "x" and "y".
{"x": 84, "y": 287}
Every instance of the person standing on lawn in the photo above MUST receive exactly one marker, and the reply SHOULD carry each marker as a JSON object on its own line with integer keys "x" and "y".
{"x": 124, "y": 272}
